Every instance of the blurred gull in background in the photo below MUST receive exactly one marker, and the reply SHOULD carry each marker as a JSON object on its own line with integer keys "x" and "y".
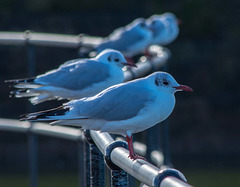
{"x": 165, "y": 28}
{"x": 121, "y": 109}
{"x": 130, "y": 40}
{"x": 74, "y": 79}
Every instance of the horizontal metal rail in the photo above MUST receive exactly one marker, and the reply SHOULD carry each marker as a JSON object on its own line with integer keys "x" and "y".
{"x": 41, "y": 129}
{"x": 159, "y": 59}
{"x": 68, "y": 133}
{"x": 145, "y": 65}
{"x": 140, "y": 169}
{"x": 46, "y": 39}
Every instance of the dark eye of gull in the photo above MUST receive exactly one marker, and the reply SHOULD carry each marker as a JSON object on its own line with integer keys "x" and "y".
{"x": 116, "y": 60}
{"x": 109, "y": 59}
{"x": 165, "y": 83}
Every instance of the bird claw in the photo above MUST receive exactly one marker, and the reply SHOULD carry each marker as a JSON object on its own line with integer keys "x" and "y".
{"x": 135, "y": 157}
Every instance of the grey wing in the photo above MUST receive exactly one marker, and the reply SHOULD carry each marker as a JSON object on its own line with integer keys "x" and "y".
{"x": 121, "y": 43}
{"x": 116, "y": 103}
{"x": 70, "y": 62}
{"x": 117, "y": 32}
{"x": 76, "y": 76}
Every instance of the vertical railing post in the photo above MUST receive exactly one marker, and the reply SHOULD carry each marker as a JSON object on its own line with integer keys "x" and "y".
{"x": 81, "y": 173}
{"x": 32, "y": 139}
{"x": 119, "y": 178}
{"x": 97, "y": 173}
{"x": 86, "y": 164}
{"x": 165, "y": 144}
{"x": 96, "y": 167}
{"x": 33, "y": 159}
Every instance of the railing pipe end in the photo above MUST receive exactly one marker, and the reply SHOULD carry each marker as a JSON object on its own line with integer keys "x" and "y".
{"x": 109, "y": 150}
{"x": 169, "y": 172}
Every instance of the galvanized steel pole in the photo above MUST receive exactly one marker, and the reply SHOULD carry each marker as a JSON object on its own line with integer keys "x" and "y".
{"x": 97, "y": 177}
{"x": 80, "y": 150}
{"x": 119, "y": 178}
{"x": 141, "y": 170}
{"x": 86, "y": 164}
{"x": 32, "y": 138}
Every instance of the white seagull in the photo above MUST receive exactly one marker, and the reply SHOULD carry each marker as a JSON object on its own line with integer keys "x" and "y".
{"x": 120, "y": 109}
{"x": 130, "y": 40}
{"x": 75, "y": 79}
{"x": 165, "y": 28}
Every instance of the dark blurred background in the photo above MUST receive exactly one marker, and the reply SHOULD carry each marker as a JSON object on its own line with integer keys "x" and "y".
{"x": 204, "y": 126}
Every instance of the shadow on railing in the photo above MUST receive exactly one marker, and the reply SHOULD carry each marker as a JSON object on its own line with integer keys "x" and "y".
{"x": 115, "y": 152}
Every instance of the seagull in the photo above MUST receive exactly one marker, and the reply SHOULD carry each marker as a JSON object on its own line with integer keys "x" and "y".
{"x": 165, "y": 28}
{"x": 123, "y": 109}
{"x": 75, "y": 79}
{"x": 130, "y": 40}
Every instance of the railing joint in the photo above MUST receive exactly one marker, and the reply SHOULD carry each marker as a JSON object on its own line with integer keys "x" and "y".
{"x": 27, "y": 36}
{"x": 80, "y": 40}
{"x": 88, "y": 136}
{"x": 169, "y": 172}
{"x": 108, "y": 152}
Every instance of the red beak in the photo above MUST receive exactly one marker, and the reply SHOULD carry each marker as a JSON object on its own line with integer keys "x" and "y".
{"x": 184, "y": 88}
{"x": 129, "y": 64}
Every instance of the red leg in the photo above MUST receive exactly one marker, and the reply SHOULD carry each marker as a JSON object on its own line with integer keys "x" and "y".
{"x": 149, "y": 55}
{"x": 130, "y": 60}
{"x": 132, "y": 154}
{"x": 146, "y": 53}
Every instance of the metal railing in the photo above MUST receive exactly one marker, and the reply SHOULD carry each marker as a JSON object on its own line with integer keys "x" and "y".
{"x": 115, "y": 152}
{"x": 46, "y": 39}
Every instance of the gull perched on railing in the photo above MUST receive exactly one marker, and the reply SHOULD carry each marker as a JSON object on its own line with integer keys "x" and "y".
{"x": 74, "y": 79}
{"x": 131, "y": 40}
{"x": 123, "y": 109}
{"x": 165, "y": 28}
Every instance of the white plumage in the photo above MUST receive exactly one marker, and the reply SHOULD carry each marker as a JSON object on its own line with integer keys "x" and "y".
{"x": 165, "y": 28}
{"x": 74, "y": 79}
{"x": 121, "y": 109}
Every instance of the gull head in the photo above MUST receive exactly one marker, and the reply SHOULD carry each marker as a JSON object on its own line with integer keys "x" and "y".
{"x": 170, "y": 18}
{"x": 156, "y": 25}
{"x": 165, "y": 82}
{"x": 113, "y": 57}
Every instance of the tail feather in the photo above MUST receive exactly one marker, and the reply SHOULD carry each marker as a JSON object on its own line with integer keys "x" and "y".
{"x": 39, "y": 98}
{"x": 46, "y": 115}
{"x": 24, "y": 92}
{"x": 26, "y": 85}
{"x": 23, "y": 83}
{"x": 28, "y": 88}
{"x": 24, "y": 80}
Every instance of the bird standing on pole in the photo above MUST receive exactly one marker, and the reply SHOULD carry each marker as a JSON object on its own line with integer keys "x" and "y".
{"x": 123, "y": 109}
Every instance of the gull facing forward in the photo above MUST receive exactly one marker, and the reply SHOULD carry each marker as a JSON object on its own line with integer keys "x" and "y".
{"x": 123, "y": 109}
